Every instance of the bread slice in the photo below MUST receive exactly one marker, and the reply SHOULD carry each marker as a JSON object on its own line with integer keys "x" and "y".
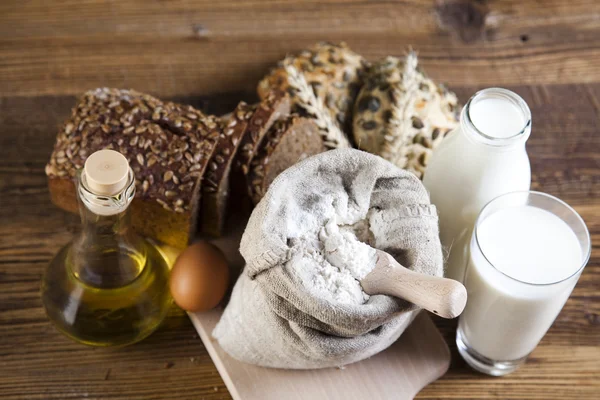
{"x": 215, "y": 187}
{"x": 168, "y": 146}
{"x": 276, "y": 105}
{"x": 287, "y": 142}
{"x": 333, "y": 71}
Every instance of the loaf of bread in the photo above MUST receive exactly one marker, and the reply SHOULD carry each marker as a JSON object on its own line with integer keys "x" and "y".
{"x": 168, "y": 147}
{"x": 187, "y": 164}
{"x": 216, "y": 184}
{"x": 333, "y": 72}
{"x": 401, "y": 114}
{"x": 288, "y": 141}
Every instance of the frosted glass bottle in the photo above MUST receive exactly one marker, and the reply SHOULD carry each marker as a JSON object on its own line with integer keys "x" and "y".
{"x": 483, "y": 158}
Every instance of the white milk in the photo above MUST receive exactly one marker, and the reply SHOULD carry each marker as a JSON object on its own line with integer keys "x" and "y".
{"x": 513, "y": 303}
{"x": 483, "y": 158}
{"x": 497, "y": 117}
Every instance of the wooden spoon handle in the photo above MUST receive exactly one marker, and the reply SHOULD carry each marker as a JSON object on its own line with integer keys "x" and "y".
{"x": 444, "y": 297}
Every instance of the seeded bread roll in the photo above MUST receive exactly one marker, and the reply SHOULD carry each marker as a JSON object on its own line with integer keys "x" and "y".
{"x": 215, "y": 187}
{"x": 401, "y": 114}
{"x": 287, "y": 142}
{"x": 168, "y": 146}
{"x": 276, "y": 105}
{"x": 334, "y": 72}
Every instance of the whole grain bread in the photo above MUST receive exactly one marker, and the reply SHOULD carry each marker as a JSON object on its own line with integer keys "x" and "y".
{"x": 333, "y": 71}
{"x": 287, "y": 142}
{"x": 274, "y": 106}
{"x": 168, "y": 147}
{"x": 216, "y": 183}
{"x": 401, "y": 114}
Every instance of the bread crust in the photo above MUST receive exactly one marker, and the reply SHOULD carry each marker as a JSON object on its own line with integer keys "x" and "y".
{"x": 401, "y": 114}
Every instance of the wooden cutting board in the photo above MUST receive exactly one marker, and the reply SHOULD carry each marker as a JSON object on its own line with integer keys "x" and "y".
{"x": 418, "y": 358}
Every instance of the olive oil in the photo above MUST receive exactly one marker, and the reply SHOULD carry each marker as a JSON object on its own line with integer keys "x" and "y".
{"x": 109, "y": 286}
{"x": 107, "y": 316}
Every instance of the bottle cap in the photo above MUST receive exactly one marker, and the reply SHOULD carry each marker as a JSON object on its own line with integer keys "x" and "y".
{"x": 106, "y": 172}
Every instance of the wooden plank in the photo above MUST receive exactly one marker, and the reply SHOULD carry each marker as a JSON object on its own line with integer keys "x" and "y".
{"x": 205, "y": 47}
{"x": 36, "y": 362}
{"x": 400, "y": 372}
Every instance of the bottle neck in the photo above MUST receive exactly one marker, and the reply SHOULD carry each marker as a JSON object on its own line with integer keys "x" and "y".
{"x": 496, "y": 119}
{"x": 107, "y": 252}
{"x": 104, "y": 225}
{"x": 103, "y": 205}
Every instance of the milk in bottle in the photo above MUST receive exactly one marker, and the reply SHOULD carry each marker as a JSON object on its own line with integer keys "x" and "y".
{"x": 483, "y": 158}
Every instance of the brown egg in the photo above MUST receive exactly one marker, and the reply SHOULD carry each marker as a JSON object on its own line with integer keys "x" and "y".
{"x": 200, "y": 277}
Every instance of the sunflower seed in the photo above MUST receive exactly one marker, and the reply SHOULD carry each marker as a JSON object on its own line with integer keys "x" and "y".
{"x": 164, "y": 204}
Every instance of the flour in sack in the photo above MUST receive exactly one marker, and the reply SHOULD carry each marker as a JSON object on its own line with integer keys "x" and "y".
{"x": 298, "y": 303}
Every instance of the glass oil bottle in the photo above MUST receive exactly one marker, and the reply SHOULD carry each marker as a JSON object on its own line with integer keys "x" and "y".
{"x": 109, "y": 286}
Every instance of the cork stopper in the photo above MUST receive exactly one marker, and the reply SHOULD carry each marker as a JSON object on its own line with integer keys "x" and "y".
{"x": 106, "y": 172}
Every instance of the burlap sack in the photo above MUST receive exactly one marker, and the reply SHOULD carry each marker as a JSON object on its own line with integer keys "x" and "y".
{"x": 274, "y": 318}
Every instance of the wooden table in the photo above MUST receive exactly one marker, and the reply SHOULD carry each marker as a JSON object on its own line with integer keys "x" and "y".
{"x": 211, "y": 54}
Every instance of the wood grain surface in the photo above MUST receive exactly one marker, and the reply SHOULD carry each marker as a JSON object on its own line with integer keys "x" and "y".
{"x": 206, "y": 46}
{"x": 211, "y": 54}
{"x": 400, "y": 372}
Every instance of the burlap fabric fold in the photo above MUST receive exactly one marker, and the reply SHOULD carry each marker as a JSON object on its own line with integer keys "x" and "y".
{"x": 275, "y": 317}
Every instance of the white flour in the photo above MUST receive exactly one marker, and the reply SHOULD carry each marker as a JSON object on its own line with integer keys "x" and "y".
{"x": 344, "y": 251}
{"x": 332, "y": 263}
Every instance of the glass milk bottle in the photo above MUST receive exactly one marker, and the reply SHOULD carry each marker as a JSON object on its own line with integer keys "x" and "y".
{"x": 483, "y": 158}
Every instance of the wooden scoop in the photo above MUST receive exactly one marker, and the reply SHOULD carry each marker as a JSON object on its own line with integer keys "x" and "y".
{"x": 441, "y": 296}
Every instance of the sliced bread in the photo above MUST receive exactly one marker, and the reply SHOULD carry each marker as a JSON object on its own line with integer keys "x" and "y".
{"x": 287, "y": 142}
{"x": 215, "y": 187}
{"x": 168, "y": 146}
{"x": 274, "y": 106}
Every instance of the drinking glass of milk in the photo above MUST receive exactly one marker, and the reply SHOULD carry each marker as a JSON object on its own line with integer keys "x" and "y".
{"x": 526, "y": 254}
{"x": 483, "y": 158}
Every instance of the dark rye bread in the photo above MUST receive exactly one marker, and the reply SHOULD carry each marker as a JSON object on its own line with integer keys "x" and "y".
{"x": 276, "y": 105}
{"x": 287, "y": 142}
{"x": 168, "y": 146}
{"x": 215, "y": 187}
